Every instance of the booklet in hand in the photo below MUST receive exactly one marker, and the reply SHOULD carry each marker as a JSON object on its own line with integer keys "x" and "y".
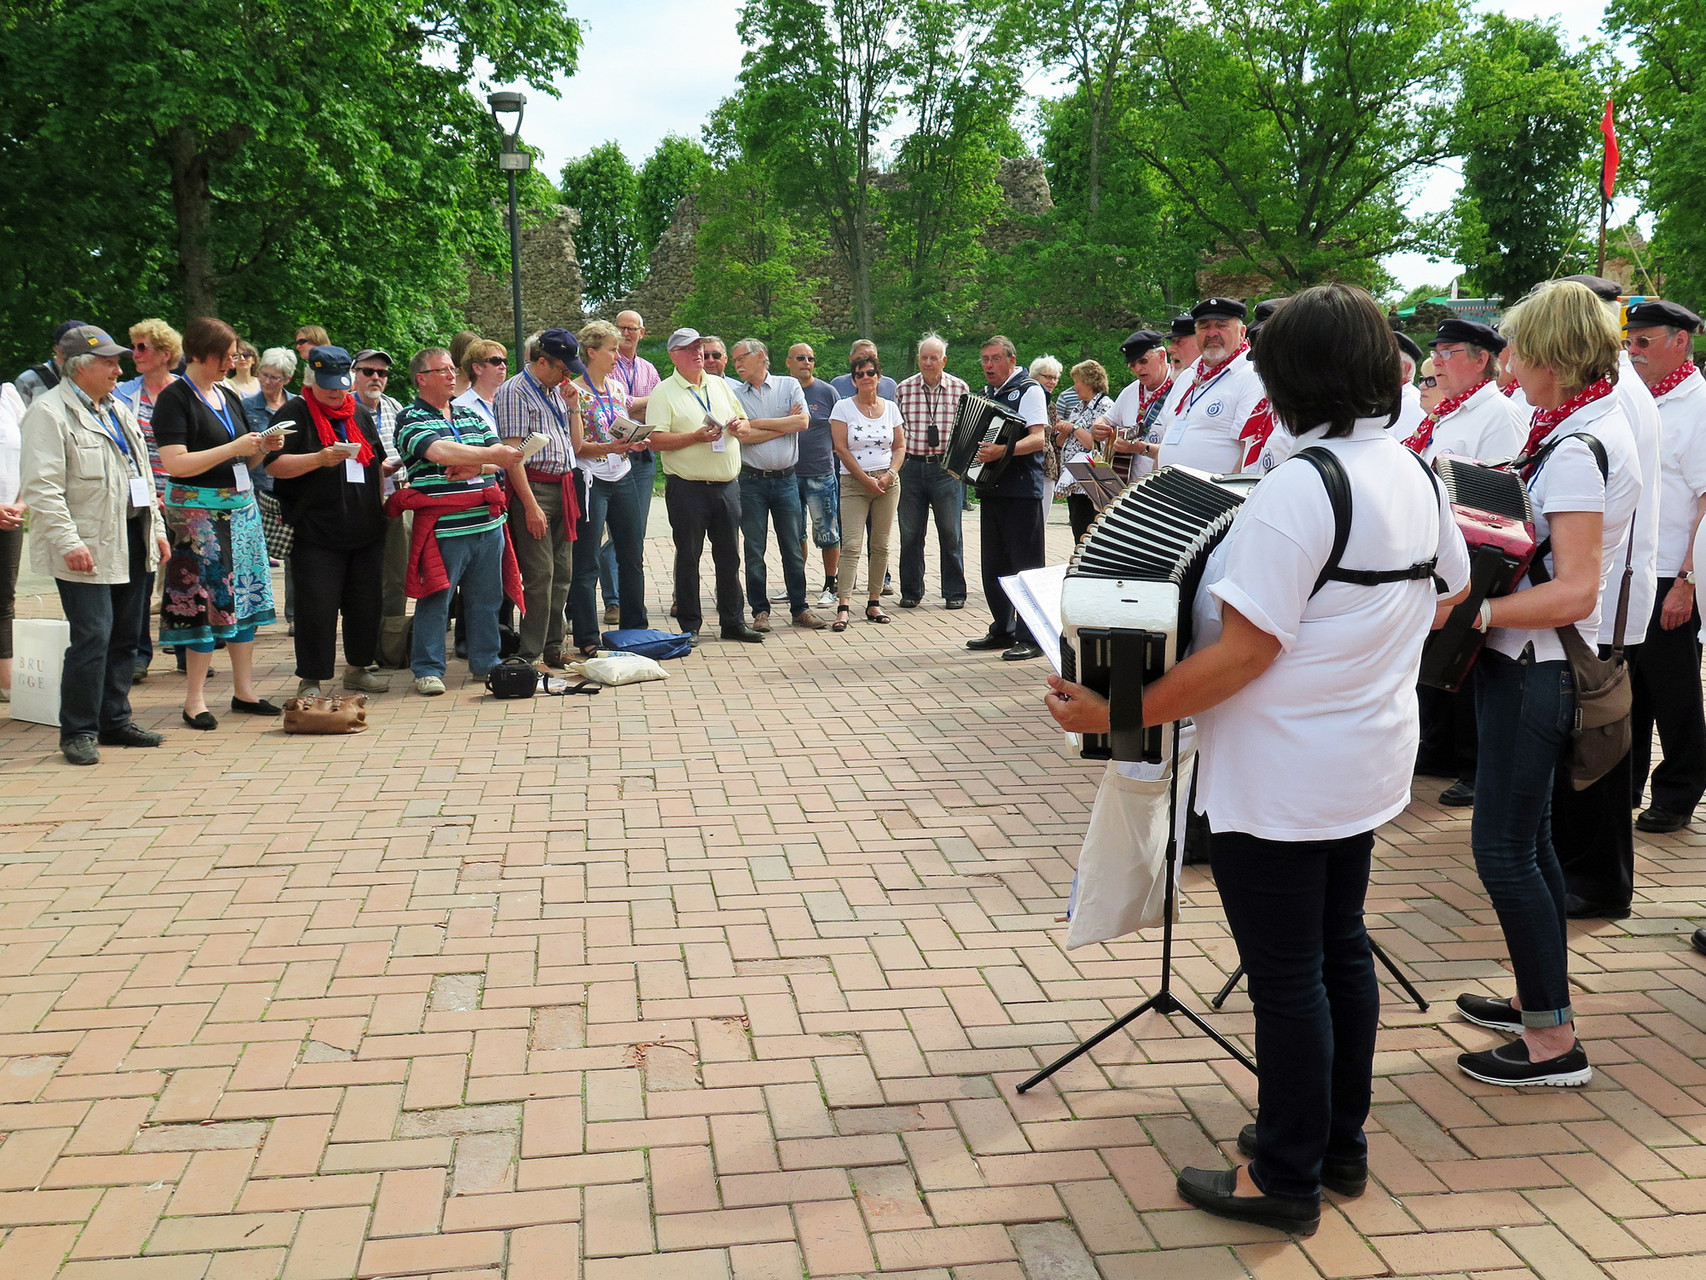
{"x": 626, "y": 431}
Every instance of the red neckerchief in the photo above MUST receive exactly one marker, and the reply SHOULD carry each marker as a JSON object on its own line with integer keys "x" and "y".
{"x": 1545, "y": 420}
{"x": 1664, "y": 386}
{"x": 1257, "y": 428}
{"x": 1147, "y": 398}
{"x": 344, "y": 412}
{"x": 1203, "y": 377}
{"x": 1510, "y": 388}
{"x": 1424, "y": 433}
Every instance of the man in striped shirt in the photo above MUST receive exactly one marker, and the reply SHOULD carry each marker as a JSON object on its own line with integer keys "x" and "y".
{"x": 453, "y": 459}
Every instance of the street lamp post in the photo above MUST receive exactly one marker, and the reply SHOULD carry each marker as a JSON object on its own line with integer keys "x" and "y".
{"x": 513, "y": 160}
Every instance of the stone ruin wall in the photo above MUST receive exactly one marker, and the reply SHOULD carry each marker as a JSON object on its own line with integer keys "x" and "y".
{"x": 550, "y": 279}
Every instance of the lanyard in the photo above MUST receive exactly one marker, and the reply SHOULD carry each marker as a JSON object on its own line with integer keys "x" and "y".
{"x": 115, "y": 430}
{"x": 628, "y": 374}
{"x": 1196, "y": 393}
{"x": 544, "y": 395}
{"x": 704, "y": 404}
{"x": 606, "y": 406}
{"x": 223, "y": 413}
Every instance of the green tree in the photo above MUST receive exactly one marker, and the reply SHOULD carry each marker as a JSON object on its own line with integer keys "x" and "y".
{"x": 672, "y": 171}
{"x": 1525, "y": 129}
{"x": 605, "y": 188}
{"x": 1662, "y": 126}
{"x": 268, "y": 162}
{"x": 1290, "y": 128}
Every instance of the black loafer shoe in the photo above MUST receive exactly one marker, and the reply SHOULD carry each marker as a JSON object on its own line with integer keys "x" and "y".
{"x": 751, "y": 635}
{"x": 692, "y": 639}
{"x": 1662, "y": 820}
{"x": 909, "y": 602}
{"x": 130, "y": 734}
{"x": 1509, "y": 1064}
{"x": 1459, "y": 795}
{"x": 1577, "y": 907}
{"x": 201, "y": 720}
{"x": 1346, "y": 1177}
{"x": 955, "y": 604}
{"x": 259, "y": 707}
{"x": 990, "y": 641}
{"x": 1020, "y": 652}
{"x": 1211, "y": 1189}
{"x": 80, "y": 749}
{"x": 1485, "y": 1011}
{"x": 1699, "y": 941}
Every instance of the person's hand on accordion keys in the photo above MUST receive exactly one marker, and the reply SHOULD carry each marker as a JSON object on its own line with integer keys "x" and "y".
{"x": 990, "y": 452}
{"x": 1075, "y": 708}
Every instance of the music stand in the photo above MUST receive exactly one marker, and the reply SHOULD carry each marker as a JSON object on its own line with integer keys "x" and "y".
{"x": 1379, "y": 954}
{"x": 1163, "y": 1001}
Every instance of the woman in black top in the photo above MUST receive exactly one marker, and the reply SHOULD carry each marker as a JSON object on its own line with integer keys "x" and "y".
{"x": 218, "y": 586}
{"x": 329, "y": 486}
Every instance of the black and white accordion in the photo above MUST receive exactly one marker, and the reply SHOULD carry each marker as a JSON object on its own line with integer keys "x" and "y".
{"x": 980, "y": 421}
{"x": 1496, "y": 519}
{"x": 1130, "y": 587}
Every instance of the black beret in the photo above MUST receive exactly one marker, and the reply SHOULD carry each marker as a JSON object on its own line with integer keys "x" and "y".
{"x": 1458, "y": 329}
{"x": 1183, "y": 327}
{"x": 1408, "y": 346}
{"x": 1605, "y": 290}
{"x": 1266, "y": 307}
{"x": 1141, "y": 343}
{"x": 1653, "y": 311}
{"x": 1229, "y": 308}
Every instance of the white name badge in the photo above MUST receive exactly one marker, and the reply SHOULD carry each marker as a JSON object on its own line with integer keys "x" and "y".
{"x": 720, "y": 445}
{"x": 244, "y": 482}
{"x": 1176, "y": 432}
{"x": 354, "y": 472}
{"x": 141, "y": 492}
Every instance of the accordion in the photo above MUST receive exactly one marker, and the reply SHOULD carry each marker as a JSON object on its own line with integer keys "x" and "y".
{"x": 1497, "y": 521}
{"x": 979, "y": 421}
{"x": 1130, "y": 587}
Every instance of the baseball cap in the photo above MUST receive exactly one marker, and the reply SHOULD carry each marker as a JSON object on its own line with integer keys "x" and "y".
{"x": 61, "y": 330}
{"x": 369, "y": 353}
{"x": 682, "y": 338}
{"x": 1226, "y": 308}
{"x": 560, "y": 344}
{"x": 331, "y": 368}
{"x": 87, "y": 340}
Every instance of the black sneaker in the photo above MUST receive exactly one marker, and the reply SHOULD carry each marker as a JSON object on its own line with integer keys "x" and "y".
{"x": 1509, "y": 1064}
{"x": 1484, "y": 1011}
{"x": 80, "y": 748}
{"x": 1347, "y": 1177}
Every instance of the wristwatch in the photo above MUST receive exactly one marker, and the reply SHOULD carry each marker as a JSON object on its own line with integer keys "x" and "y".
{"x": 1688, "y": 577}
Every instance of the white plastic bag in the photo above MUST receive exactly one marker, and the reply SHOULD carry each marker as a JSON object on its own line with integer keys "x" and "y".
{"x": 619, "y": 668}
{"x": 1121, "y": 885}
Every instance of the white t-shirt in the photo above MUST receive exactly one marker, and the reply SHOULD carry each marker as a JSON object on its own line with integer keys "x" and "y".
{"x": 1127, "y": 411}
{"x": 1569, "y": 480}
{"x": 11, "y": 442}
{"x": 1643, "y": 417}
{"x": 1484, "y": 427}
{"x": 870, "y": 440}
{"x": 1201, "y": 429}
{"x": 1682, "y": 470}
{"x": 1410, "y": 412}
{"x": 1321, "y": 744}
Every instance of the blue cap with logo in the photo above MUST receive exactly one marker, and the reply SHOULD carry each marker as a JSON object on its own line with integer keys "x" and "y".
{"x": 561, "y": 346}
{"x": 331, "y": 367}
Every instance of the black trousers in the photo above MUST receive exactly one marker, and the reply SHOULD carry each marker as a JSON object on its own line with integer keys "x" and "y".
{"x": 331, "y": 581}
{"x": 1010, "y": 533}
{"x": 1448, "y": 732}
{"x": 1080, "y": 511}
{"x": 1593, "y": 830}
{"x": 95, "y": 687}
{"x": 1667, "y": 694}
{"x": 700, "y": 509}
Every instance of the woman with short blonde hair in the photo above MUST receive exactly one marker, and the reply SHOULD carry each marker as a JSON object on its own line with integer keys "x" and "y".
{"x": 1075, "y": 440}
{"x": 483, "y": 368}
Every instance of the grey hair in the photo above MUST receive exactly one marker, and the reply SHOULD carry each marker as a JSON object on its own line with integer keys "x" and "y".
{"x": 749, "y": 344}
{"x": 931, "y": 339}
{"x": 532, "y": 345}
{"x": 75, "y": 364}
{"x": 279, "y": 359}
{"x": 1046, "y": 365}
{"x": 417, "y": 362}
{"x": 1004, "y": 342}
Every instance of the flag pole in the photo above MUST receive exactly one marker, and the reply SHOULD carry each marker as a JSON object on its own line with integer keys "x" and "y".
{"x": 1604, "y": 205}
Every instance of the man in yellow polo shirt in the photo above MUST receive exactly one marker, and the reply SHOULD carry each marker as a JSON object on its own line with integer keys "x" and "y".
{"x": 696, "y": 430}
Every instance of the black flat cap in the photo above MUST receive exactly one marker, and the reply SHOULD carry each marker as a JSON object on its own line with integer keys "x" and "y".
{"x": 1605, "y": 290}
{"x": 1225, "y": 308}
{"x": 1266, "y": 307}
{"x": 1141, "y": 343}
{"x": 1653, "y": 311}
{"x": 1183, "y": 327}
{"x": 1458, "y": 329}
{"x": 1408, "y": 346}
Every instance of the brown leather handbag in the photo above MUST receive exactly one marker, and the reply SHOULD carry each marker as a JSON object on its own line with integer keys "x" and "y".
{"x": 326, "y": 715}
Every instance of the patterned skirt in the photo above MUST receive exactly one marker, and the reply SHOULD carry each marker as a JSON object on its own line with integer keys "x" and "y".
{"x": 217, "y": 580}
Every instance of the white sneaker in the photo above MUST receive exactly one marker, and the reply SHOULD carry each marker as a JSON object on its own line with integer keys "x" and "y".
{"x": 827, "y": 599}
{"x": 429, "y": 686}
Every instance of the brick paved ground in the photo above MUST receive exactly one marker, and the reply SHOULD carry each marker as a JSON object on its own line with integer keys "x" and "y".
{"x": 732, "y": 976}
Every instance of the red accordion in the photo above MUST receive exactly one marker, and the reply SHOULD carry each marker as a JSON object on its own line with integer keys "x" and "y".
{"x": 1497, "y": 521}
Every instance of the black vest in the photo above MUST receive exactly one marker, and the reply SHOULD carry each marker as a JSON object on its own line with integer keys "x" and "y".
{"x": 1024, "y": 477}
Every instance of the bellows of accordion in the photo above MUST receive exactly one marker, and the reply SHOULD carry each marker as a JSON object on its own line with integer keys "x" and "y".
{"x": 1158, "y": 530}
{"x": 1482, "y": 488}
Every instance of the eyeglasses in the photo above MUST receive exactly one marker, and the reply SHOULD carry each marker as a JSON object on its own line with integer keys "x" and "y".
{"x": 716, "y": 355}
{"x": 630, "y": 328}
{"x": 1444, "y": 354}
{"x": 1430, "y": 381}
{"x": 449, "y": 368}
{"x": 1639, "y": 344}
{"x": 303, "y": 342}
{"x": 373, "y": 373}
{"x": 143, "y": 346}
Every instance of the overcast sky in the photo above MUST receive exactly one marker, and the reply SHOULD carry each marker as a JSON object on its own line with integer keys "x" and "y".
{"x": 657, "y": 67}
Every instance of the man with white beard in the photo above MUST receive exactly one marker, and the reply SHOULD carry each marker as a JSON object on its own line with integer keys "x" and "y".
{"x": 1213, "y": 397}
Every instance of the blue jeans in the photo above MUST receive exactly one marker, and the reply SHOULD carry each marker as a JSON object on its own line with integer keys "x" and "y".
{"x": 641, "y": 480}
{"x": 1524, "y": 711}
{"x": 925, "y": 490}
{"x": 610, "y": 505}
{"x": 1295, "y": 910}
{"x": 94, "y": 692}
{"x": 820, "y": 497}
{"x": 474, "y": 562}
{"x": 761, "y": 498}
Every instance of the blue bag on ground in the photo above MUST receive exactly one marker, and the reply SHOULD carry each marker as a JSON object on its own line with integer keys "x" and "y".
{"x": 650, "y": 644}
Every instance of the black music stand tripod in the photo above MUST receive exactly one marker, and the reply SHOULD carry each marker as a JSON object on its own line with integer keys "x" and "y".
{"x": 1379, "y": 954}
{"x": 1163, "y": 1001}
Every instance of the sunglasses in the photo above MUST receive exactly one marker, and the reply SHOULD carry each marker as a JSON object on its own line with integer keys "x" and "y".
{"x": 804, "y": 359}
{"x": 501, "y": 362}
{"x": 716, "y": 355}
{"x": 143, "y": 346}
{"x": 865, "y": 373}
{"x": 374, "y": 373}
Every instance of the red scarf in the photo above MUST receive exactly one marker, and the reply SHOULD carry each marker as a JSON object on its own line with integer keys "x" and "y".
{"x": 1424, "y": 434}
{"x": 1510, "y": 388}
{"x": 1664, "y": 386}
{"x": 1545, "y": 420}
{"x": 344, "y": 412}
{"x": 1204, "y": 375}
{"x": 1257, "y": 428}
{"x": 1146, "y": 398}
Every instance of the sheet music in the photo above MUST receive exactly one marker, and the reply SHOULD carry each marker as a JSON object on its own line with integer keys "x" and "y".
{"x": 1035, "y": 593}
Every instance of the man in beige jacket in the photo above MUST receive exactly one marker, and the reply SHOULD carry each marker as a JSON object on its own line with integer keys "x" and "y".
{"x": 96, "y": 528}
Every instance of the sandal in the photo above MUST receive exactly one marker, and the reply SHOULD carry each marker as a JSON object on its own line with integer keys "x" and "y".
{"x": 842, "y": 613}
{"x": 879, "y": 615}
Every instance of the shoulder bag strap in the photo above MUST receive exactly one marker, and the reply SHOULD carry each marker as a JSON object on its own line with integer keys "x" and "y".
{"x": 1338, "y": 486}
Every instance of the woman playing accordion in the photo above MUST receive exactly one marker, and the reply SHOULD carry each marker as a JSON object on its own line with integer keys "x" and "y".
{"x": 1306, "y": 711}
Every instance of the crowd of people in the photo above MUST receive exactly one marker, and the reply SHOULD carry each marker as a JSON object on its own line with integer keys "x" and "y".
{"x": 505, "y": 504}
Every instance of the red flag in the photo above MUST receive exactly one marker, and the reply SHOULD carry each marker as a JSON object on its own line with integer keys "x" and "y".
{"x": 1608, "y": 169}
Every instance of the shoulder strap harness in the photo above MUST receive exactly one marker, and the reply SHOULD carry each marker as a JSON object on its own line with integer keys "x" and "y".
{"x": 1338, "y": 486}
